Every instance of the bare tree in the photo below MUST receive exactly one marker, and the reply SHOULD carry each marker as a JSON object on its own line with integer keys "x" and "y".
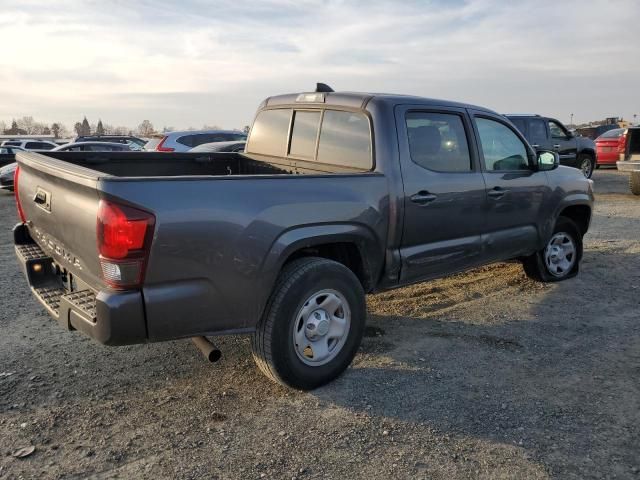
{"x": 15, "y": 129}
{"x": 55, "y": 129}
{"x": 246, "y": 129}
{"x": 100, "y": 128}
{"x": 78, "y": 128}
{"x": 27, "y": 124}
{"x": 3, "y": 126}
{"x": 86, "y": 128}
{"x": 145, "y": 129}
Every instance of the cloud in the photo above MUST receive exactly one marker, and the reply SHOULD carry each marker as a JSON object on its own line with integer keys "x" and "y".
{"x": 195, "y": 62}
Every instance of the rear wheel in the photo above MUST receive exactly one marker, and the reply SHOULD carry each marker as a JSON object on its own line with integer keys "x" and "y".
{"x": 312, "y": 326}
{"x": 586, "y": 163}
{"x": 634, "y": 182}
{"x": 560, "y": 258}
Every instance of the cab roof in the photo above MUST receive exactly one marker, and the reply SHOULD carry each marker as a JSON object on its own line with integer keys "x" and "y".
{"x": 360, "y": 100}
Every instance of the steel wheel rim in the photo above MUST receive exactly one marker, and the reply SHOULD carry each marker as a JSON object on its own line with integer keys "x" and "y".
{"x": 560, "y": 254}
{"x": 321, "y": 327}
{"x": 586, "y": 167}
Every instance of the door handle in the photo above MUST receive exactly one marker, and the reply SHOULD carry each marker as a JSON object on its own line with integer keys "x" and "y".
{"x": 423, "y": 197}
{"x": 535, "y": 145}
{"x": 497, "y": 192}
{"x": 556, "y": 146}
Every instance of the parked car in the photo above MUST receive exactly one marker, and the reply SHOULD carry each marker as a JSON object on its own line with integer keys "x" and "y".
{"x": 93, "y": 147}
{"x": 337, "y": 195}
{"x": 134, "y": 143}
{"x": 36, "y": 145}
{"x": 595, "y": 131}
{"x": 185, "y": 141}
{"x": 220, "y": 147}
{"x": 629, "y": 157}
{"x": 10, "y": 150}
{"x": 609, "y": 145}
{"x": 550, "y": 134}
{"x": 6, "y": 176}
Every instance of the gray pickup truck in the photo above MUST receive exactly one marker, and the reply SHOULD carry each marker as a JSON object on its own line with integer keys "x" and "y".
{"x": 337, "y": 195}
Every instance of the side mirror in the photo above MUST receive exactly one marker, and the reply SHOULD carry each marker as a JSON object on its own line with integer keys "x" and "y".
{"x": 548, "y": 160}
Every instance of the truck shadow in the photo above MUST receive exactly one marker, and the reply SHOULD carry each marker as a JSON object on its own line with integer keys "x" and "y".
{"x": 556, "y": 375}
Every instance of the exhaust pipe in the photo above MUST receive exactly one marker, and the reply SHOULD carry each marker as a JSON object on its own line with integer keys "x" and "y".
{"x": 208, "y": 349}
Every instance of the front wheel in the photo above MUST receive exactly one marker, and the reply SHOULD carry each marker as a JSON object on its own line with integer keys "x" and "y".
{"x": 312, "y": 326}
{"x": 586, "y": 163}
{"x": 560, "y": 258}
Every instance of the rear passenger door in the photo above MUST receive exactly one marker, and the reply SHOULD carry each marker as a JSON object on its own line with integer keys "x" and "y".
{"x": 516, "y": 190}
{"x": 444, "y": 192}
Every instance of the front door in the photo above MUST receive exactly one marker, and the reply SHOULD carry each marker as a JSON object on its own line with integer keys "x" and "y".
{"x": 516, "y": 191}
{"x": 564, "y": 143}
{"x": 444, "y": 204}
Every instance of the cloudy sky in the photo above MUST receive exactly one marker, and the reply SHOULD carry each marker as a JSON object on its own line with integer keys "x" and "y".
{"x": 194, "y": 62}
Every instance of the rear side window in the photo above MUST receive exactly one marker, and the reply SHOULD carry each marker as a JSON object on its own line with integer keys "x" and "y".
{"x": 345, "y": 139}
{"x": 14, "y": 144}
{"x": 38, "y": 146}
{"x": 304, "y": 134}
{"x": 537, "y": 131}
{"x": 437, "y": 141}
{"x": 520, "y": 124}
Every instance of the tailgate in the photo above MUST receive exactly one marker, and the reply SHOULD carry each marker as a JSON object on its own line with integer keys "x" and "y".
{"x": 60, "y": 203}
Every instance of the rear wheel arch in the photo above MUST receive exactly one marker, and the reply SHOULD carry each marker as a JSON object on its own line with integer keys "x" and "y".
{"x": 347, "y": 253}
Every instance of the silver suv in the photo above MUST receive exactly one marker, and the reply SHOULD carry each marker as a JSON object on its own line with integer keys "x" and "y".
{"x": 185, "y": 141}
{"x": 30, "y": 144}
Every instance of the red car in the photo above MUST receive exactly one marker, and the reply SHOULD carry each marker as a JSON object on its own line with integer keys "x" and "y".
{"x": 610, "y": 145}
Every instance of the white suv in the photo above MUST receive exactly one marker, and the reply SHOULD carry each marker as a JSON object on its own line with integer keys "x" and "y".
{"x": 30, "y": 144}
{"x": 185, "y": 141}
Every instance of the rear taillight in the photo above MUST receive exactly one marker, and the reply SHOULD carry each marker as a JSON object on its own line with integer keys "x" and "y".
{"x": 16, "y": 176}
{"x": 162, "y": 148}
{"x": 124, "y": 238}
{"x": 622, "y": 143}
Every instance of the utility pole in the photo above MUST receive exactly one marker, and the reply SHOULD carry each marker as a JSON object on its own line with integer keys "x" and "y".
{"x": 635, "y": 115}
{"x": 572, "y": 120}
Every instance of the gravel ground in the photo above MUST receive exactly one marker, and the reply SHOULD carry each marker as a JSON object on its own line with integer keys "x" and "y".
{"x": 481, "y": 375}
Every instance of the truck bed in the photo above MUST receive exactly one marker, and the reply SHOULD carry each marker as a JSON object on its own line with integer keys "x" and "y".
{"x": 159, "y": 164}
{"x": 222, "y": 222}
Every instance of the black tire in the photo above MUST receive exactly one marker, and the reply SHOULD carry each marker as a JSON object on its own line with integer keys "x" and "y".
{"x": 272, "y": 344}
{"x": 586, "y": 170}
{"x": 535, "y": 266}
{"x": 634, "y": 182}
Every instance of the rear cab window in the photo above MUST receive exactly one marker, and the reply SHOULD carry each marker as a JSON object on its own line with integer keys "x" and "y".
{"x": 321, "y": 136}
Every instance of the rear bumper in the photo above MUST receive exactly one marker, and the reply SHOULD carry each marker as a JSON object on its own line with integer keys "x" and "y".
{"x": 111, "y": 318}
{"x": 629, "y": 166}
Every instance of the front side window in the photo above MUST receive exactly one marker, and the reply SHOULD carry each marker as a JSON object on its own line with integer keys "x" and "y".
{"x": 304, "y": 133}
{"x": 502, "y": 149}
{"x": 437, "y": 141}
{"x": 556, "y": 130}
{"x": 345, "y": 139}
{"x": 269, "y": 132}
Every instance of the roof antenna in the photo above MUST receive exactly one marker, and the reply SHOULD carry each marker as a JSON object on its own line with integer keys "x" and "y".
{"x": 323, "y": 87}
